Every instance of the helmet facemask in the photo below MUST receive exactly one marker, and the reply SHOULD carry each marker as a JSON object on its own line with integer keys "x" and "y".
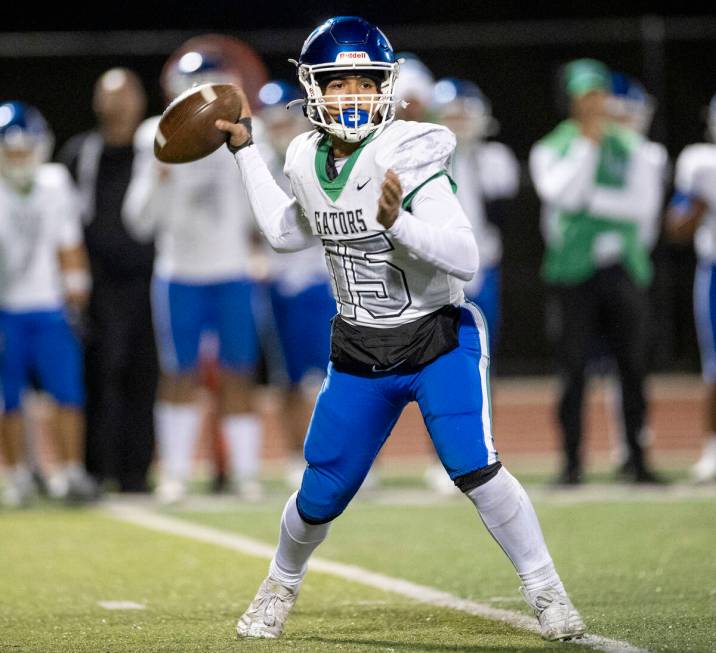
{"x": 358, "y": 115}
{"x": 21, "y": 155}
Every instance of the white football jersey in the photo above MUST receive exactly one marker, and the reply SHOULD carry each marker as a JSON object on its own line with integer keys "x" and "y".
{"x": 484, "y": 172}
{"x": 198, "y": 213}
{"x": 33, "y": 228}
{"x": 376, "y": 281}
{"x": 692, "y": 159}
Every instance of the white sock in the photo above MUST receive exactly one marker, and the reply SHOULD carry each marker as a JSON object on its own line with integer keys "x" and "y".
{"x": 297, "y": 541}
{"x": 243, "y": 433}
{"x": 177, "y": 432}
{"x": 507, "y": 512}
{"x": 20, "y": 475}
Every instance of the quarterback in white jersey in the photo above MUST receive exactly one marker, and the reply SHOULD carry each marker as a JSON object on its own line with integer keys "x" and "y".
{"x": 399, "y": 249}
{"x": 201, "y": 222}
{"x": 692, "y": 214}
{"x": 43, "y": 278}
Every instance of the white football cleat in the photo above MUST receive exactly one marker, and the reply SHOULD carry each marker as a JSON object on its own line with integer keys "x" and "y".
{"x": 170, "y": 491}
{"x": 705, "y": 469}
{"x": 438, "y": 480}
{"x": 250, "y": 490}
{"x": 558, "y": 618}
{"x": 266, "y": 615}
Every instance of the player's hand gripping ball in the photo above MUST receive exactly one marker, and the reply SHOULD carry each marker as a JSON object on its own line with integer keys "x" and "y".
{"x": 186, "y": 130}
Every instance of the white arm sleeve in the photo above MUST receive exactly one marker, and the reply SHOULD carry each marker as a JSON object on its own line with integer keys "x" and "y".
{"x": 438, "y": 231}
{"x": 565, "y": 182}
{"x": 276, "y": 213}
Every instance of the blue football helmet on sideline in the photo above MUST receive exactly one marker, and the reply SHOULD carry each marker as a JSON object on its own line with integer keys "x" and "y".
{"x": 462, "y": 106}
{"x": 341, "y": 46}
{"x": 277, "y": 97}
{"x": 213, "y": 58}
{"x": 25, "y": 143}
{"x": 629, "y": 103}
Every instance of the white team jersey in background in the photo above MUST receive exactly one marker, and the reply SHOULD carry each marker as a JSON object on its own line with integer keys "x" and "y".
{"x": 483, "y": 172}
{"x": 199, "y": 215}
{"x": 692, "y": 158}
{"x": 293, "y": 272}
{"x": 33, "y": 228}
{"x": 376, "y": 281}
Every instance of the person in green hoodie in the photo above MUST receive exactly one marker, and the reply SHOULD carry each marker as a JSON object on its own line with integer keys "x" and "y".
{"x": 599, "y": 183}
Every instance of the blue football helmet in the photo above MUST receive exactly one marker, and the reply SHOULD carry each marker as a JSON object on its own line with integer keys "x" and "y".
{"x": 25, "y": 143}
{"x": 630, "y": 103}
{"x": 277, "y": 97}
{"x": 462, "y": 106}
{"x": 348, "y": 45}
{"x": 213, "y": 58}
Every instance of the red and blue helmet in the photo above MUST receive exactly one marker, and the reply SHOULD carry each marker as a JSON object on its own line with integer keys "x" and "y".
{"x": 214, "y": 58}
{"x": 348, "y": 45}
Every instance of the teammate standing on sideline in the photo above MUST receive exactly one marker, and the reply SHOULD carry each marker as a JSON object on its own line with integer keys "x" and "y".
{"x": 300, "y": 294}
{"x": 487, "y": 175}
{"x": 692, "y": 215}
{"x": 594, "y": 179}
{"x": 120, "y": 354}
{"x": 400, "y": 248}
{"x": 201, "y": 222}
{"x": 44, "y": 283}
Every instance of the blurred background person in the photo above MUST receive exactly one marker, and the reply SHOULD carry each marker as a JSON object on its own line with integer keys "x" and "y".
{"x": 297, "y": 340}
{"x": 121, "y": 367}
{"x": 633, "y": 107}
{"x": 199, "y": 217}
{"x": 44, "y": 284}
{"x": 487, "y": 176}
{"x": 587, "y": 174}
{"x": 692, "y": 216}
{"x": 413, "y": 89}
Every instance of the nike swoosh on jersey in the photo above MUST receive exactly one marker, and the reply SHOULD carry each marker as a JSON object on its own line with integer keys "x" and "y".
{"x": 391, "y": 367}
{"x": 363, "y": 185}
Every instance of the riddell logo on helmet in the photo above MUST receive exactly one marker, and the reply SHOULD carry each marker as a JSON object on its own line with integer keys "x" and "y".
{"x": 352, "y": 56}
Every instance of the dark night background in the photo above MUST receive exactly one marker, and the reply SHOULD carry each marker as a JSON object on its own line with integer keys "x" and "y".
{"x": 512, "y": 50}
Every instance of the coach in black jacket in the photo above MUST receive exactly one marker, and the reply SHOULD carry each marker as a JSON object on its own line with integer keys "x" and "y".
{"x": 121, "y": 360}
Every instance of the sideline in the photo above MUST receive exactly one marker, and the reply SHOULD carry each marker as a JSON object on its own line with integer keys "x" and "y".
{"x": 142, "y": 516}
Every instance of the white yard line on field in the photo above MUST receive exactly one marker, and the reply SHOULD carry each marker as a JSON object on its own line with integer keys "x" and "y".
{"x": 148, "y": 519}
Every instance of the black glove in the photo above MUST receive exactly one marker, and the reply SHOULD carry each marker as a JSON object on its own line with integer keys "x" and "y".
{"x": 246, "y": 122}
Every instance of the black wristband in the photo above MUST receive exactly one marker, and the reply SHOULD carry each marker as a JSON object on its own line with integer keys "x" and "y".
{"x": 246, "y": 122}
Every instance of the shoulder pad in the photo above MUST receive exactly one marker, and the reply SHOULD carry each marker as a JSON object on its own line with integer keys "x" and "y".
{"x": 416, "y": 151}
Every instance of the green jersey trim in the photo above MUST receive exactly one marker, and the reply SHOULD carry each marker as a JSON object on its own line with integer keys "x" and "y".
{"x": 334, "y": 187}
{"x": 408, "y": 199}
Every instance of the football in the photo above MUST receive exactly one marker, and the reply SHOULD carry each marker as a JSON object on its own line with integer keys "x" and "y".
{"x": 186, "y": 130}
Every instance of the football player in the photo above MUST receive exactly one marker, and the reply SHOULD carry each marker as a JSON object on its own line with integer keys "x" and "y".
{"x": 399, "y": 247}
{"x": 44, "y": 284}
{"x": 299, "y": 293}
{"x": 692, "y": 215}
{"x": 200, "y": 220}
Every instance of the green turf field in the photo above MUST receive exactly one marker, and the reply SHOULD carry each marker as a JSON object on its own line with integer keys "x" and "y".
{"x": 641, "y": 571}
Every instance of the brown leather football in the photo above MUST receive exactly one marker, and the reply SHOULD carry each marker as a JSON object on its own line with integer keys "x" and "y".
{"x": 186, "y": 130}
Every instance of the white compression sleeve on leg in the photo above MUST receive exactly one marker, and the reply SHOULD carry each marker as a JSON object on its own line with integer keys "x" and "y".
{"x": 244, "y": 435}
{"x": 177, "y": 433}
{"x": 508, "y": 514}
{"x": 297, "y": 541}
